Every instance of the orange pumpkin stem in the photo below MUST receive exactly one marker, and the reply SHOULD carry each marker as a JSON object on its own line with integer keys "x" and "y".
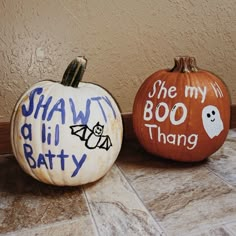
{"x": 185, "y": 65}
{"x": 74, "y": 72}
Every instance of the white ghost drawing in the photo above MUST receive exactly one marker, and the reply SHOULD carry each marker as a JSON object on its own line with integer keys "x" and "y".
{"x": 211, "y": 120}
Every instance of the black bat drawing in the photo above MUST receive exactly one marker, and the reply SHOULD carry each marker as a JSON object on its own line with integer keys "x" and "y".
{"x": 94, "y": 137}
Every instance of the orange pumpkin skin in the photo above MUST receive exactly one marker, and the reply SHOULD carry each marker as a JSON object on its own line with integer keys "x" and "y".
{"x": 182, "y": 114}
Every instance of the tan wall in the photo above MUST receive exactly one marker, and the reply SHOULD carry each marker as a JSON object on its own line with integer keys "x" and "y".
{"x": 125, "y": 41}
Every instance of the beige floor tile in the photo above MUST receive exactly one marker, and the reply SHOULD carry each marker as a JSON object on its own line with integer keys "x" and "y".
{"x": 232, "y": 227}
{"x": 214, "y": 231}
{"x": 183, "y": 197}
{"x": 117, "y": 209}
{"x": 140, "y": 195}
{"x": 223, "y": 162}
{"x": 26, "y": 203}
{"x": 63, "y": 228}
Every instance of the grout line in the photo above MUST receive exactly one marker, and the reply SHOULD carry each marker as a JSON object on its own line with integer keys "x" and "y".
{"x": 230, "y": 231}
{"x": 207, "y": 228}
{"x": 220, "y": 177}
{"x": 91, "y": 212}
{"x": 159, "y": 227}
{"x": 226, "y": 225}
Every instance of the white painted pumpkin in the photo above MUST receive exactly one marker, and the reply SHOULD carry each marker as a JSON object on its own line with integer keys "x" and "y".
{"x": 67, "y": 133}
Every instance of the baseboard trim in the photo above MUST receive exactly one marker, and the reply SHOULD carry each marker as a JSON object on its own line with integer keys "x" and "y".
{"x": 5, "y": 145}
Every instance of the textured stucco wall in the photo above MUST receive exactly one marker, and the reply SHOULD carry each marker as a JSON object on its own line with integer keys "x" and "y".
{"x": 124, "y": 41}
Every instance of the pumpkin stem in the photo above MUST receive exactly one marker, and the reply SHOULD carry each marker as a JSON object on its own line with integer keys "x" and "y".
{"x": 185, "y": 65}
{"x": 74, "y": 72}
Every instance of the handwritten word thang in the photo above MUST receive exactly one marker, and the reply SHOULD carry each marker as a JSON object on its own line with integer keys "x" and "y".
{"x": 156, "y": 133}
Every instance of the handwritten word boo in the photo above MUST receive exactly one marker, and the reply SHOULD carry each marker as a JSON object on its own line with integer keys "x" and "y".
{"x": 149, "y": 111}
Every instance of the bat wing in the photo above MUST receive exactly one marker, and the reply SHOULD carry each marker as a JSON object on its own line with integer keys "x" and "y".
{"x": 82, "y": 131}
{"x": 105, "y": 142}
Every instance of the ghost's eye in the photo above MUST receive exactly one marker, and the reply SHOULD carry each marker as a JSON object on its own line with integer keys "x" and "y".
{"x": 208, "y": 115}
{"x": 213, "y": 112}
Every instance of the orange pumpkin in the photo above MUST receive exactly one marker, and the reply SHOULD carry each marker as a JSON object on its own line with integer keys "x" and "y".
{"x": 183, "y": 113}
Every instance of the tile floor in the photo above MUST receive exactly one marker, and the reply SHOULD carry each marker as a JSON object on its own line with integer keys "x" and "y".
{"x": 140, "y": 195}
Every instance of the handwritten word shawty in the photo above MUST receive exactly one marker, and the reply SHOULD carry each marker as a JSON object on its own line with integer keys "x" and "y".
{"x": 46, "y": 108}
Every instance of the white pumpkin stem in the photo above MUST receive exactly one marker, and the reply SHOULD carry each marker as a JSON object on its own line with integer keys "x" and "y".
{"x": 185, "y": 64}
{"x": 74, "y": 72}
